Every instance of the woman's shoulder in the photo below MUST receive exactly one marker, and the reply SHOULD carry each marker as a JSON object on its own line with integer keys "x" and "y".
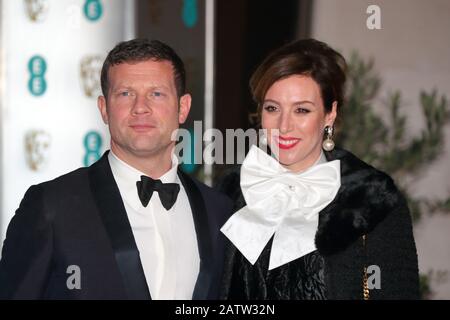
{"x": 367, "y": 196}
{"x": 372, "y": 184}
{"x": 370, "y": 187}
{"x": 355, "y": 169}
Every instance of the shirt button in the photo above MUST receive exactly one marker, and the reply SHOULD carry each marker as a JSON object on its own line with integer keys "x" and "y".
{"x": 292, "y": 188}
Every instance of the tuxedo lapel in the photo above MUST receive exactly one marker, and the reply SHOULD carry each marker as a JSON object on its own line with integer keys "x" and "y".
{"x": 204, "y": 239}
{"x": 114, "y": 217}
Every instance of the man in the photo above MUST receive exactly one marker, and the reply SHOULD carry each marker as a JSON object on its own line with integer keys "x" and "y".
{"x": 131, "y": 226}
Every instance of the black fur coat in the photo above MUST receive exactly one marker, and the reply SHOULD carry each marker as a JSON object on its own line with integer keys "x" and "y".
{"x": 368, "y": 203}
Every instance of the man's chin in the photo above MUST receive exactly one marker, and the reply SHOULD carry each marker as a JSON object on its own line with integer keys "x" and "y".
{"x": 151, "y": 150}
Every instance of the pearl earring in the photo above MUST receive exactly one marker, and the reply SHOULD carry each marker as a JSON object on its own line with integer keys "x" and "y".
{"x": 328, "y": 143}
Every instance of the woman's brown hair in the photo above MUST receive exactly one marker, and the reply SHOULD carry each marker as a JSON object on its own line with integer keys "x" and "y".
{"x": 307, "y": 57}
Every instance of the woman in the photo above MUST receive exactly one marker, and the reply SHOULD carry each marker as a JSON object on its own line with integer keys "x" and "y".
{"x": 313, "y": 220}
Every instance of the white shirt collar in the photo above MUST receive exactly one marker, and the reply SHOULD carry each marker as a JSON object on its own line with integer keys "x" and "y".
{"x": 126, "y": 177}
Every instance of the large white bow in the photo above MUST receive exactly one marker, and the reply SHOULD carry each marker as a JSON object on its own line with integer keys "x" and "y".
{"x": 282, "y": 202}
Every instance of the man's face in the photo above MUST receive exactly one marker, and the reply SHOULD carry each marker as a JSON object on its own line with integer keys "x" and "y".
{"x": 142, "y": 109}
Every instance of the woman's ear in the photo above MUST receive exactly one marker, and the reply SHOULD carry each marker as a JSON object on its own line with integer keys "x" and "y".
{"x": 330, "y": 117}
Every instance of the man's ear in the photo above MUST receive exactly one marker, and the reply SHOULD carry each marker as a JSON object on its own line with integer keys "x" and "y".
{"x": 331, "y": 116}
{"x": 185, "y": 106}
{"x": 101, "y": 104}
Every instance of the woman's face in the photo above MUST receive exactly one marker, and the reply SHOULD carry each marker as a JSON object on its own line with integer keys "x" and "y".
{"x": 294, "y": 106}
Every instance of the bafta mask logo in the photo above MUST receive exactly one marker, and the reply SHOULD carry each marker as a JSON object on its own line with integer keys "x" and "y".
{"x": 37, "y": 9}
{"x": 37, "y": 147}
{"x": 90, "y": 68}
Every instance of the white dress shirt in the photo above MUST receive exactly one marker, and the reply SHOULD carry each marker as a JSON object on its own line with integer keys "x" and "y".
{"x": 166, "y": 239}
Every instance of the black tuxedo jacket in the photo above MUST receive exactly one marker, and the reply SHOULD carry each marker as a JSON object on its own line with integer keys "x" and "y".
{"x": 79, "y": 220}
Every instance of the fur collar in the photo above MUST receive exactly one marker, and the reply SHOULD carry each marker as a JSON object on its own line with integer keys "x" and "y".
{"x": 365, "y": 198}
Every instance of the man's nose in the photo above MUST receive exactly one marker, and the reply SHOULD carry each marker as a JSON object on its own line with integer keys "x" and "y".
{"x": 141, "y": 104}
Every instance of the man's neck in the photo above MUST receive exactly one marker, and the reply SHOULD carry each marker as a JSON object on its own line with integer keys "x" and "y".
{"x": 152, "y": 165}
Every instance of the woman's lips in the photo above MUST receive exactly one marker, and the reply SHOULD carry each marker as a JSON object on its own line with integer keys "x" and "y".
{"x": 287, "y": 142}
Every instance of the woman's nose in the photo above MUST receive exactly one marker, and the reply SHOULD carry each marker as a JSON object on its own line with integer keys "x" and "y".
{"x": 285, "y": 124}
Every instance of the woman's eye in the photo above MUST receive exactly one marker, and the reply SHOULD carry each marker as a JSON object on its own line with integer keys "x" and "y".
{"x": 270, "y": 108}
{"x": 301, "y": 110}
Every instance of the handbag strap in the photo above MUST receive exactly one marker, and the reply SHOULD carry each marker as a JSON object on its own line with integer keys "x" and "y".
{"x": 366, "y": 294}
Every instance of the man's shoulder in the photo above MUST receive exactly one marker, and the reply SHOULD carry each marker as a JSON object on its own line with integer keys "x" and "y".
{"x": 75, "y": 178}
{"x": 210, "y": 194}
{"x": 54, "y": 192}
{"x": 69, "y": 179}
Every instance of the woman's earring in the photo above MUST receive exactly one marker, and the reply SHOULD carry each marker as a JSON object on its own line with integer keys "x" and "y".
{"x": 328, "y": 143}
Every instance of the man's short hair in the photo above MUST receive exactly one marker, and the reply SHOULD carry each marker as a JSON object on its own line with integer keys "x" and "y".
{"x": 138, "y": 50}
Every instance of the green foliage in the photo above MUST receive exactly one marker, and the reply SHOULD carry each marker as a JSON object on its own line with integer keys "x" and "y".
{"x": 361, "y": 126}
{"x": 425, "y": 288}
{"x": 429, "y": 280}
{"x": 388, "y": 146}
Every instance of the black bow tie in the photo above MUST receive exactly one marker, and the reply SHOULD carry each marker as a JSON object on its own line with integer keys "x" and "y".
{"x": 168, "y": 192}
